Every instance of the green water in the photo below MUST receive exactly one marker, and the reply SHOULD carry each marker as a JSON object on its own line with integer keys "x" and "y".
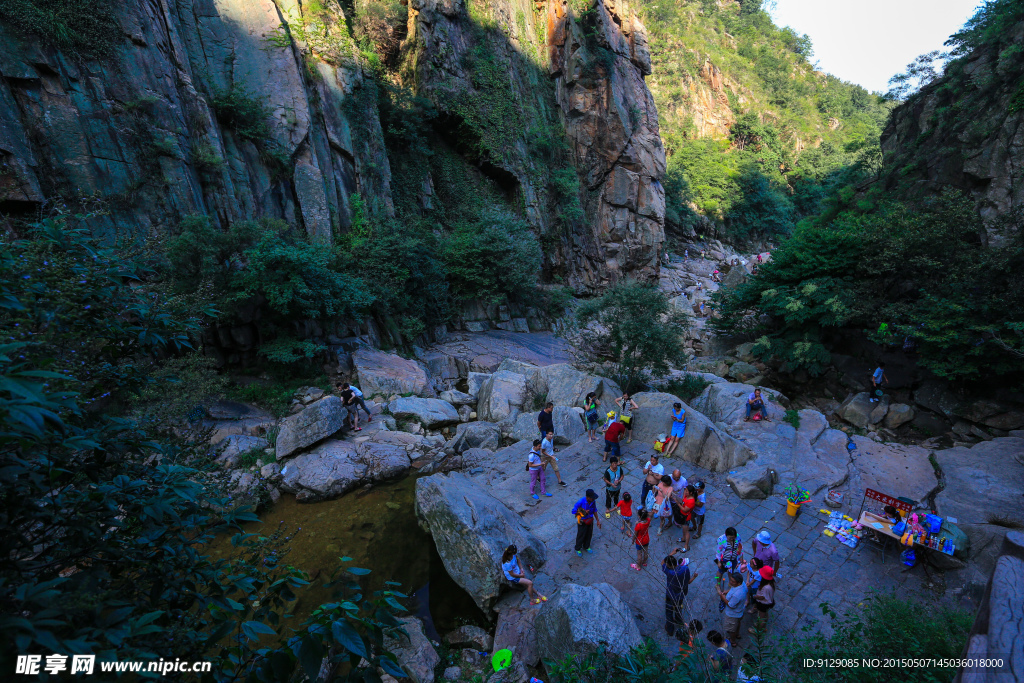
{"x": 378, "y": 530}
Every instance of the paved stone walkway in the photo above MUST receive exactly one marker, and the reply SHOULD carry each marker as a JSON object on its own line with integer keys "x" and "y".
{"x": 815, "y": 568}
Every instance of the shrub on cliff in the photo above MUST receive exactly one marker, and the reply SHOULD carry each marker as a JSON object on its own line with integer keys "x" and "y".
{"x": 85, "y": 27}
{"x": 492, "y": 257}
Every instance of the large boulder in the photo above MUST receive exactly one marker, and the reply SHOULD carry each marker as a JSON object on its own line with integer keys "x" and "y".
{"x": 726, "y": 402}
{"x": 741, "y": 371}
{"x": 984, "y": 491}
{"x": 475, "y": 382}
{"x": 501, "y": 395}
{"x": 457, "y": 398}
{"x": 336, "y": 467}
{"x": 441, "y": 365}
{"x": 385, "y": 374}
{"x": 581, "y": 619}
{"x": 704, "y": 444}
{"x": 857, "y": 409}
{"x": 899, "y": 414}
{"x": 234, "y": 445}
{"x": 753, "y": 481}
{"x": 413, "y": 650}
{"x": 516, "y": 629}
{"x": 524, "y": 428}
{"x": 568, "y": 424}
{"x": 475, "y": 435}
{"x": 895, "y": 469}
{"x": 432, "y": 413}
{"x": 471, "y": 529}
{"x": 314, "y": 423}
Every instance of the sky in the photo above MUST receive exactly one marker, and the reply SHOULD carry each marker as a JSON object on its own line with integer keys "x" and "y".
{"x": 868, "y": 41}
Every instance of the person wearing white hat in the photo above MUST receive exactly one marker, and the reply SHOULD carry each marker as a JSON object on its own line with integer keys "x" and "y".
{"x": 764, "y": 550}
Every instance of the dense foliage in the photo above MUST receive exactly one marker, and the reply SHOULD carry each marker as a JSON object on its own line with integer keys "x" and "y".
{"x": 797, "y": 133}
{"x": 85, "y": 27}
{"x": 633, "y": 326}
{"x": 104, "y": 518}
{"x": 887, "y": 626}
{"x": 905, "y": 275}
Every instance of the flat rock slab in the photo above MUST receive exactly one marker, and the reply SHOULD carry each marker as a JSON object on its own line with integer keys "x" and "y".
{"x": 983, "y": 482}
{"x": 432, "y": 413}
{"x": 537, "y": 348}
{"x": 894, "y": 469}
{"x": 385, "y": 374}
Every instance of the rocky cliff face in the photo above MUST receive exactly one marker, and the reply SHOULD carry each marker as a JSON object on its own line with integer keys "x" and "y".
{"x": 139, "y": 135}
{"x": 966, "y": 131}
{"x": 153, "y": 134}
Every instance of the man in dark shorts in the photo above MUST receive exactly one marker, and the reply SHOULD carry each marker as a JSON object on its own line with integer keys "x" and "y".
{"x": 611, "y": 440}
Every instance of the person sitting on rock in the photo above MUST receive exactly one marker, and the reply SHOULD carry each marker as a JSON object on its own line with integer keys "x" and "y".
{"x": 678, "y": 428}
{"x": 755, "y": 405}
{"x": 515, "y": 575}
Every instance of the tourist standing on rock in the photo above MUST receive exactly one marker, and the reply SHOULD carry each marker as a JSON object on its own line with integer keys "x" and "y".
{"x": 535, "y": 465}
{"x": 730, "y": 552}
{"x": 348, "y": 399}
{"x": 642, "y": 539}
{"x": 626, "y": 407}
{"x": 678, "y": 480}
{"x": 359, "y": 399}
{"x": 878, "y": 379}
{"x": 686, "y": 254}
{"x": 515, "y": 575}
{"x": 611, "y": 440}
{"x": 585, "y": 511}
{"x": 755, "y": 405}
{"x": 735, "y": 602}
{"x": 660, "y": 502}
{"x": 682, "y": 514}
{"x": 547, "y": 456}
{"x": 545, "y": 422}
{"x": 763, "y": 549}
{"x": 653, "y": 472}
{"x": 591, "y": 415}
{"x": 677, "y": 585}
{"x": 699, "y": 509}
{"x": 764, "y": 599}
{"x": 612, "y": 478}
{"x": 678, "y": 429}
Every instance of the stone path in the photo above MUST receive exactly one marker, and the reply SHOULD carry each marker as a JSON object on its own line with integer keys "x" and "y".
{"x": 815, "y": 568}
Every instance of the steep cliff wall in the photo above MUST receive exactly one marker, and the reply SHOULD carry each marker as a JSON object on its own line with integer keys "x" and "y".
{"x": 966, "y": 131}
{"x": 139, "y": 132}
{"x": 159, "y": 130}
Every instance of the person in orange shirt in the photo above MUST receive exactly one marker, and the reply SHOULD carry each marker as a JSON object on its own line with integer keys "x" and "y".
{"x": 642, "y": 538}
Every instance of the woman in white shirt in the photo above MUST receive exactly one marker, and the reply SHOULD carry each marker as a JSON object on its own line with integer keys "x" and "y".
{"x": 514, "y": 574}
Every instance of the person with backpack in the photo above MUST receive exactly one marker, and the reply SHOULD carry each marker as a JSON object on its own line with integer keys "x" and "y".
{"x": 612, "y": 478}
{"x": 677, "y": 585}
{"x": 535, "y": 466}
{"x": 591, "y": 414}
{"x": 721, "y": 658}
{"x": 585, "y": 512}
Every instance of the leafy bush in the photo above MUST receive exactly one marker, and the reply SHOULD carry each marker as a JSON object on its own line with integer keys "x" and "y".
{"x": 106, "y": 519}
{"x": 793, "y": 418}
{"x": 688, "y": 387}
{"x": 929, "y": 631}
{"x": 493, "y": 257}
{"x": 635, "y": 327}
{"x": 87, "y": 27}
{"x": 243, "y": 113}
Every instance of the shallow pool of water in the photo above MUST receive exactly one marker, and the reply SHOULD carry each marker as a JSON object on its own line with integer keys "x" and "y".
{"x": 378, "y": 530}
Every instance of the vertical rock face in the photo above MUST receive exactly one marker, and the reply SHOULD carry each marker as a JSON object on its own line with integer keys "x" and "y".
{"x": 599, "y": 97}
{"x": 599, "y": 62}
{"x": 966, "y": 130}
{"x": 140, "y": 129}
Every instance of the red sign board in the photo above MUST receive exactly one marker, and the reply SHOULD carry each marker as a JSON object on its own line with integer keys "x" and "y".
{"x": 903, "y": 506}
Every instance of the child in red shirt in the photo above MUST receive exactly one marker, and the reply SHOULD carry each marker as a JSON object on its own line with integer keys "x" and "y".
{"x": 625, "y": 508}
{"x": 642, "y": 539}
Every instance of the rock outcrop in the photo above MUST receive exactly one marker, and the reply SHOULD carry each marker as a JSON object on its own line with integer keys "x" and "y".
{"x": 580, "y": 619}
{"x": 384, "y": 374}
{"x": 413, "y": 651}
{"x": 315, "y": 422}
{"x": 432, "y": 413}
{"x": 501, "y": 396}
{"x": 471, "y": 529}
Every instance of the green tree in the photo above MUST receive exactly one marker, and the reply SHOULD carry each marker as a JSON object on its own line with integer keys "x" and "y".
{"x": 634, "y": 326}
{"x": 493, "y": 257}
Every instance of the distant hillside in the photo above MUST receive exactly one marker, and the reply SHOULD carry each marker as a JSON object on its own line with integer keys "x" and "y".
{"x": 966, "y": 129}
{"x": 754, "y": 135}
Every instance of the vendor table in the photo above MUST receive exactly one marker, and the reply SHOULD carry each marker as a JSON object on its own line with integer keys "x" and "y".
{"x": 883, "y": 527}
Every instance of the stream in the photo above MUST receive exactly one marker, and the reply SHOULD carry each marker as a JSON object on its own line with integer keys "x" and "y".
{"x": 379, "y": 531}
